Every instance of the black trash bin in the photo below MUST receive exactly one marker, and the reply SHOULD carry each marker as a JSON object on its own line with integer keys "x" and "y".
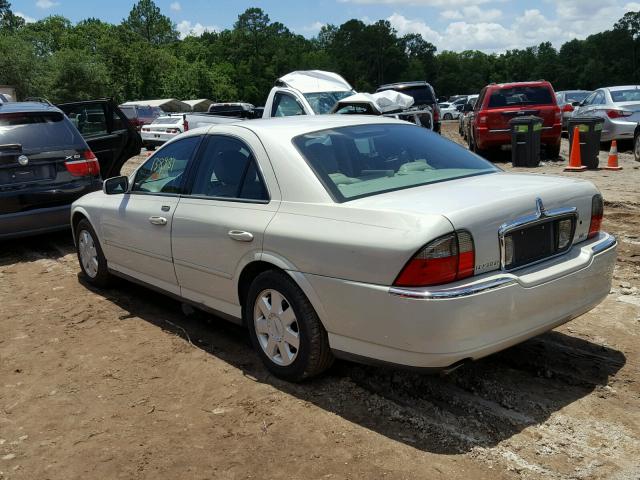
{"x": 590, "y": 129}
{"x": 525, "y": 141}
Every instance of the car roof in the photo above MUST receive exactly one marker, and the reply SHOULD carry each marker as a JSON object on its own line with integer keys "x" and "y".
{"x": 416, "y": 83}
{"x": 519, "y": 84}
{"x": 18, "y": 107}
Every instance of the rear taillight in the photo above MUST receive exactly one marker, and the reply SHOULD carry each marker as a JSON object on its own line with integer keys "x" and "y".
{"x": 597, "y": 212}
{"x": 87, "y": 166}
{"x": 185, "y": 123}
{"x": 146, "y": 129}
{"x": 567, "y": 107}
{"x": 446, "y": 259}
{"x": 173, "y": 130}
{"x": 436, "y": 115}
{"x": 558, "y": 114}
{"x": 618, "y": 113}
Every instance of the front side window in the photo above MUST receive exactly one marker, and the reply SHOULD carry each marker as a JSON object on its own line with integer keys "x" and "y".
{"x": 164, "y": 171}
{"x": 363, "y": 160}
{"x": 89, "y": 119}
{"x": 227, "y": 169}
{"x": 285, "y": 105}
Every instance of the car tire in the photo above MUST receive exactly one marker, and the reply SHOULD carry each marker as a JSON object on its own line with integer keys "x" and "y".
{"x": 553, "y": 152}
{"x": 285, "y": 329}
{"x": 636, "y": 148}
{"x": 447, "y": 116}
{"x": 90, "y": 255}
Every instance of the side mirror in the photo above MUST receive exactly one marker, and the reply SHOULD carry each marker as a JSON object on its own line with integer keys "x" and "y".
{"x": 116, "y": 185}
{"x": 576, "y": 104}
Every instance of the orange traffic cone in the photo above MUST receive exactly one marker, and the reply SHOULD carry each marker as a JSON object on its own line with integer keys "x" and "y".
{"x": 612, "y": 163}
{"x": 575, "y": 164}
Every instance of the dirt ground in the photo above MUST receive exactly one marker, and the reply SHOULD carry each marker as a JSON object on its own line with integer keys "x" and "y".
{"x": 120, "y": 384}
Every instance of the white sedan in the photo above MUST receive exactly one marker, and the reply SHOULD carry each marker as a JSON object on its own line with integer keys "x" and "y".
{"x": 351, "y": 236}
{"x": 449, "y": 111}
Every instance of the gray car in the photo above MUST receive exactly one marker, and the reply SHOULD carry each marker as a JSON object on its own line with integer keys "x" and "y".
{"x": 566, "y": 99}
{"x": 618, "y": 106}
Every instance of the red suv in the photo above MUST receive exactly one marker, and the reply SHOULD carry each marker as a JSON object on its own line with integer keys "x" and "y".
{"x": 499, "y": 103}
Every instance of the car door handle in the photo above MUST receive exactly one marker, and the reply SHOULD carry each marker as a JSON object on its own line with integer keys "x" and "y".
{"x": 158, "y": 220}
{"x": 240, "y": 235}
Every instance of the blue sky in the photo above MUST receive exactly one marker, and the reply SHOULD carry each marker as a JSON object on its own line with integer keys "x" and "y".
{"x": 488, "y": 25}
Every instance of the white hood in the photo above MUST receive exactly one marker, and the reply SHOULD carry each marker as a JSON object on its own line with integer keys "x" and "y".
{"x": 310, "y": 81}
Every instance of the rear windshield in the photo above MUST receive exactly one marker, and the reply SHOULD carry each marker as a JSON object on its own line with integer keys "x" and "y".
{"x": 631, "y": 95}
{"x": 364, "y": 160}
{"x": 38, "y": 130}
{"x": 167, "y": 120}
{"x": 508, "y": 97}
{"x": 323, "y": 102}
{"x": 421, "y": 95}
{"x": 576, "y": 96}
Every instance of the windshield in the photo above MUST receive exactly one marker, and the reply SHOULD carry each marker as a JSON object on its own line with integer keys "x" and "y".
{"x": 511, "y": 97}
{"x": 631, "y": 95}
{"x": 38, "y": 130}
{"x": 576, "y": 96}
{"x": 363, "y": 160}
{"x": 323, "y": 102}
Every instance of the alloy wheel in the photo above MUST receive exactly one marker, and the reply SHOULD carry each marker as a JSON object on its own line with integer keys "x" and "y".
{"x": 88, "y": 254}
{"x": 276, "y": 327}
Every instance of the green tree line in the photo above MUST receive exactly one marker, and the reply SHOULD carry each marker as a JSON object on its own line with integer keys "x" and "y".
{"x": 143, "y": 57}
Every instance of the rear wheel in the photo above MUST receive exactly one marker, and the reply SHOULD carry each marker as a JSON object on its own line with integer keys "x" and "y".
{"x": 447, "y": 116}
{"x": 92, "y": 260}
{"x": 285, "y": 329}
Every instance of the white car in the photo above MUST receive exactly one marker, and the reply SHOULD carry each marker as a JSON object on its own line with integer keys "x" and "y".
{"x": 449, "y": 111}
{"x": 306, "y": 92}
{"x": 351, "y": 236}
{"x": 161, "y": 130}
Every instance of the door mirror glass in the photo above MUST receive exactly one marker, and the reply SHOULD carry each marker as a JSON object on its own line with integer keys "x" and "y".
{"x": 576, "y": 104}
{"x": 115, "y": 185}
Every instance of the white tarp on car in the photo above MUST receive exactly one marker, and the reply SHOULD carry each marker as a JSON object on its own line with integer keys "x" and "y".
{"x": 381, "y": 102}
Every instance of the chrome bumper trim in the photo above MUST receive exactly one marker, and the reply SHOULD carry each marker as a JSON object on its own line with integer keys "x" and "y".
{"x": 438, "y": 293}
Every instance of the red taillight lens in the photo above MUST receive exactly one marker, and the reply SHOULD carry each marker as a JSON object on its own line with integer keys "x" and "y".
{"x": 88, "y": 166}
{"x": 567, "y": 108}
{"x": 186, "y": 123}
{"x": 597, "y": 212}
{"x": 618, "y": 113}
{"x": 444, "y": 260}
{"x": 436, "y": 114}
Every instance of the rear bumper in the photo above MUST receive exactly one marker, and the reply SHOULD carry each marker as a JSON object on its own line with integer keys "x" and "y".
{"x": 491, "y": 138}
{"x": 617, "y": 130}
{"x": 34, "y": 222}
{"x": 436, "y": 328}
{"x": 150, "y": 138}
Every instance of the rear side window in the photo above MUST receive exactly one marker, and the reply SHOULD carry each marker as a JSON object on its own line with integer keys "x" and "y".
{"x": 363, "y": 160}
{"x": 519, "y": 96}
{"x": 286, "y": 106}
{"x": 39, "y": 131}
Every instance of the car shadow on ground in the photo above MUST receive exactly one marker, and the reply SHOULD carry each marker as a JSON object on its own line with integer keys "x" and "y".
{"x": 51, "y": 246}
{"x": 478, "y": 405}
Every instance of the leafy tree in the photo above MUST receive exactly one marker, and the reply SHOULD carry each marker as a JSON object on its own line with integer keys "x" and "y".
{"x": 9, "y": 22}
{"x": 146, "y": 20}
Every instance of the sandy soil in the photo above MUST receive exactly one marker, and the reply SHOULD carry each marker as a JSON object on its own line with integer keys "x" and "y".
{"x": 120, "y": 384}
